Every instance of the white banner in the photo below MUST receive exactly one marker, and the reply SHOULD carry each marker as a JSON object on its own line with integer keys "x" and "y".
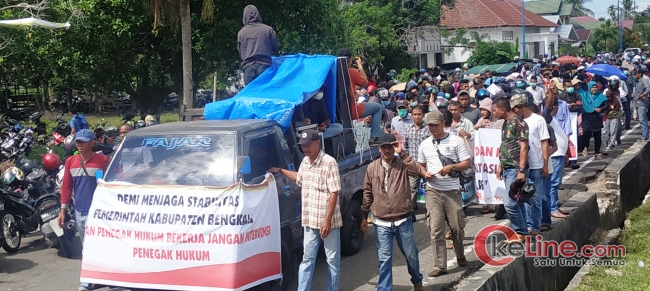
{"x": 489, "y": 190}
{"x": 573, "y": 139}
{"x": 183, "y": 238}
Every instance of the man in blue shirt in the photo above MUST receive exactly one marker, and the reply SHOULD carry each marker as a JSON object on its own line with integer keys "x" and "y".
{"x": 77, "y": 121}
{"x": 403, "y": 118}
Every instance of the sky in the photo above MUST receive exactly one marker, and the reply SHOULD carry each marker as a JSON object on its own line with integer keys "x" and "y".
{"x": 599, "y": 7}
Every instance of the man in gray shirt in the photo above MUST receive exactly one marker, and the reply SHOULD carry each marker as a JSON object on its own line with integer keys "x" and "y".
{"x": 467, "y": 111}
{"x": 641, "y": 99}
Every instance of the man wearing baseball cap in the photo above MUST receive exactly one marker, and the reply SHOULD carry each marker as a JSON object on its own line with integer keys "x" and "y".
{"x": 318, "y": 176}
{"x": 387, "y": 195}
{"x": 642, "y": 99}
{"x": 443, "y": 196}
{"x": 79, "y": 178}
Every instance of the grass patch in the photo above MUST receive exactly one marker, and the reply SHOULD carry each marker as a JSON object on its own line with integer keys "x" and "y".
{"x": 632, "y": 277}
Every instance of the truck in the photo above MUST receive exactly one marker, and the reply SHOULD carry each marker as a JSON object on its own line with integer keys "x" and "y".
{"x": 262, "y": 144}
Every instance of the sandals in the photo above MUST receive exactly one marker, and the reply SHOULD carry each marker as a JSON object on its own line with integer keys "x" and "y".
{"x": 488, "y": 209}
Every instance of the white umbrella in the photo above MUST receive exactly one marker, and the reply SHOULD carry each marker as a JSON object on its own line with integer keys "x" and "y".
{"x": 28, "y": 22}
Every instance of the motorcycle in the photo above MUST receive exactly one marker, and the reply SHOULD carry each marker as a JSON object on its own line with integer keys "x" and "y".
{"x": 171, "y": 103}
{"x": 59, "y": 106}
{"x": 60, "y": 131}
{"x": 20, "y": 114}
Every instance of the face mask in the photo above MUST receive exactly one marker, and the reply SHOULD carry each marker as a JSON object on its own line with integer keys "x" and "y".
{"x": 447, "y": 95}
{"x": 521, "y": 85}
{"x": 560, "y": 91}
{"x": 318, "y": 96}
{"x": 385, "y": 103}
{"x": 626, "y": 73}
{"x": 532, "y": 85}
{"x": 570, "y": 90}
{"x": 414, "y": 103}
{"x": 402, "y": 112}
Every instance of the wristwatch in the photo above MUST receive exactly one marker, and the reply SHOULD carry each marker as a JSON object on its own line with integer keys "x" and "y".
{"x": 522, "y": 170}
{"x": 453, "y": 167}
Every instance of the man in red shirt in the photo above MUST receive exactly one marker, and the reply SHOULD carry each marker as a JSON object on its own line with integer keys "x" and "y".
{"x": 79, "y": 178}
{"x": 361, "y": 110}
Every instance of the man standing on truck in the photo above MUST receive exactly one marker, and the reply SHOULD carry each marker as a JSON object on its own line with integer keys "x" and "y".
{"x": 79, "y": 178}
{"x": 256, "y": 42}
{"x": 387, "y": 194}
{"x": 363, "y": 109}
{"x": 318, "y": 175}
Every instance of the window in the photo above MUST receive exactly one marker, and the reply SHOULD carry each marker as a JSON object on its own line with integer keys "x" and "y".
{"x": 507, "y": 35}
{"x": 262, "y": 150}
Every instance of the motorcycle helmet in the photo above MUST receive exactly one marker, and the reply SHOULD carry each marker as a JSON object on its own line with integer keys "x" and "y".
{"x": 521, "y": 191}
{"x": 28, "y": 166}
{"x": 482, "y": 94}
{"x": 18, "y": 127}
{"x": 431, "y": 90}
{"x": 441, "y": 102}
{"x": 13, "y": 174}
{"x": 51, "y": 161}
{"x": 68, "y": 144}
{"x": 152, "y": 123}
{"x": 521, "y": 84}
{"x": 140, "y": 124}
{"x": 149, "y": 118}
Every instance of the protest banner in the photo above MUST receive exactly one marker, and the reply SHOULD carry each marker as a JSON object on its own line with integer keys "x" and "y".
{"x": 489, "y": 190}
{"x": 573, "y": 139}
{"x": 182, "y": 237}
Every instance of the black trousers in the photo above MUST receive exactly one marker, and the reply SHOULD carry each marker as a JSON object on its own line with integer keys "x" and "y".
{"x": 586, "y": 136}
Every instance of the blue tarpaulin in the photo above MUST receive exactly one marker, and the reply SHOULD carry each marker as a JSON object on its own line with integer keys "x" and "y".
{"x": 288, "y": 83}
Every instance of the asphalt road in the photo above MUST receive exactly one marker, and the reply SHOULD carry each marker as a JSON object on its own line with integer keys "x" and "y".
{"x": 35, "y": 268}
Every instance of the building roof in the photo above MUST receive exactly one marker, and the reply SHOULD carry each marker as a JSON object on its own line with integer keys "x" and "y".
{"x": 583, "y": 34}
{"x": 626, "y": 24}
{"x": 583, "y": 19}
{"x": 548, "y": 7}
{"x": 552, "y": 18}
{"x": 490, "y": 13}
{"x": 566, "y": 32}
{"x": 586, "y": 25}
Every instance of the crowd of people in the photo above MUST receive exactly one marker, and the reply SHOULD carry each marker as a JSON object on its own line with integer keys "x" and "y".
{"x": 426, "y": 132}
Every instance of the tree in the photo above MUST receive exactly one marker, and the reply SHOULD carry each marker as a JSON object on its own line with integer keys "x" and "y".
{"x": 613, "y": 12}
{"x": 492, "y": 52}
{"x": 631, "y": 38}
{"x": 579, "y": 5}
{"x": 629, "y": 9}
{"x": 606, "y": 32}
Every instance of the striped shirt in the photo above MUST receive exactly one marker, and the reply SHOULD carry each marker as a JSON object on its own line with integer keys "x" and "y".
{"x": 413, "y": 137}
{"x": 452, "y": 147}
{"x": 75, "y": 180}
{"x": 318, "y": 180}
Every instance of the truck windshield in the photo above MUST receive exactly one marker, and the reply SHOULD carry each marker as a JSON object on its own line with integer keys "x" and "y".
{"x": 192, "y": 160}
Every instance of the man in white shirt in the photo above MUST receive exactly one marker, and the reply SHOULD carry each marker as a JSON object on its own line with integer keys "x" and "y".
{"x": 538, "y": 92}
{"x": 443, "y": 196}
{"x": 537, "y": 159}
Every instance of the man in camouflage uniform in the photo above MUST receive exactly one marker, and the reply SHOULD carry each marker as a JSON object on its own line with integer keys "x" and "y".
{"x": 513, "y": 158}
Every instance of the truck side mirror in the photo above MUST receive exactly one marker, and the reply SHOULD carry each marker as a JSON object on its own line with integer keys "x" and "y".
{"x": 244, "y": 165}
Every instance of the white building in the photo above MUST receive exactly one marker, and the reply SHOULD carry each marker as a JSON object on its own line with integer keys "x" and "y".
{"x": 498, "y": 20}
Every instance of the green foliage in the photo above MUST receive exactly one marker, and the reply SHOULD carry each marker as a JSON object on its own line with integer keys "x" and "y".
{"x": 492, "y": 52}
{"x": 605, "y": 37}
{"x": 403, "y": 76}
{"x": 567, "y": 49}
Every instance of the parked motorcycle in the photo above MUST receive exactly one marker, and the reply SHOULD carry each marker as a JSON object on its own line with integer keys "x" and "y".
{"x": 171, "y": 103}
{"x": 23, "y": 212}
{"x": 59, "y": 105}
{"x": 19, "y": 114}
{"x": 60, "y": 131}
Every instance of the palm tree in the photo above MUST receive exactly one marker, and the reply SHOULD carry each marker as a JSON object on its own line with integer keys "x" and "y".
{"x": 579, "y": 5}
{"x": 612, "y": 11}
{"x": 629, "y": 9}
{"x": 171, "y": 10}
{"x": 606, "y": 31}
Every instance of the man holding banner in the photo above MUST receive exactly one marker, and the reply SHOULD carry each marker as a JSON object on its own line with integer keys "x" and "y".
{"x": 513, "y": 161}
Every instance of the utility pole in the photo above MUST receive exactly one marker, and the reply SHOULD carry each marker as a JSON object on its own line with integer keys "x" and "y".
{"x": 620, "y": 27}
{"x": 214, "y": 87}
{"x": 523, "y": 32}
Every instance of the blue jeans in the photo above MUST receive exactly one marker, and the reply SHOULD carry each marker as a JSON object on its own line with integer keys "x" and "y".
{"x": 311, "y": 243}
{"x": 333, "y": 130}
{"x": 534, "y": 205}
{"x": 546, "y": 201}
{"x": 406, "y": 243}
{"x": 642, "y": 113}
{"x": 81, "y": 218}
{"x": 556, "y": 181}
{"x": 253, "y": 71}
{"x": 516, "y": 211}
{"x": 374, "y": 109}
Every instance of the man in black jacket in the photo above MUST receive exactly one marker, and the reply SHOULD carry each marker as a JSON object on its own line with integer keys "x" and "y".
{"x": 256, "y": 42}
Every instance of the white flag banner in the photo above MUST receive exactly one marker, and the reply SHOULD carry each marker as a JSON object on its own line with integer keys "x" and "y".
{"x": 489, "y": 189}
{"x": 182, "y": 237}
